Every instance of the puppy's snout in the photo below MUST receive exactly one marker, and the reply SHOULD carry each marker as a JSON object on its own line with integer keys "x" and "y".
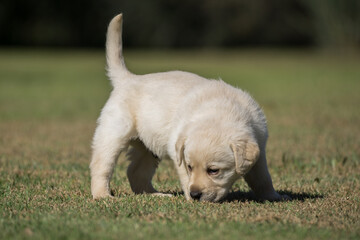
{"x": 196, "y": 195}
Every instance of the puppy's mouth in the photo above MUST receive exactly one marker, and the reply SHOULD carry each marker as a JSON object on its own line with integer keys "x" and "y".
{"x": 209, "y": 197}
{"x": 213, "y": 196}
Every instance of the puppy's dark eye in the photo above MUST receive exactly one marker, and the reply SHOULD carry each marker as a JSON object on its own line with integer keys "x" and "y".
{"x": 189, "y": 167}
{"x": 212, "y": 171}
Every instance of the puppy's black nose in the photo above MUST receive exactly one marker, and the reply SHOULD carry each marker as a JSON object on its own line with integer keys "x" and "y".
{"x": 195, "y": 195}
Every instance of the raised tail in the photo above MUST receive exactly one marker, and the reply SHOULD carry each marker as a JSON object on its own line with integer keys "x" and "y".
{"x": 114, "y": 57}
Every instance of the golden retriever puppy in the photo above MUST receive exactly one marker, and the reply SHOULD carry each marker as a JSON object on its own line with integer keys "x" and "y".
{"x": 214, "y": 133}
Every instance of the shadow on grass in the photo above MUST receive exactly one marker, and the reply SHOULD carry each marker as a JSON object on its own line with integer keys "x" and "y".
{"x": 240, "y": 196}
{"x": 250, "y": 196}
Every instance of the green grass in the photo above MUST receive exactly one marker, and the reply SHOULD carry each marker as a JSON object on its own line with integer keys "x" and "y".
{"x": 49, "y": 102}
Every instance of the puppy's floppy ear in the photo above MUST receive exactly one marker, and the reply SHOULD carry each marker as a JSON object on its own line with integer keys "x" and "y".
{"x": 246, "y": 153}
{"x": 180, "y": 148}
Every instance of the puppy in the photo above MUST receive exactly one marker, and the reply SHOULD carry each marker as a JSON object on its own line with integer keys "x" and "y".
{"x": 213, "y": 132}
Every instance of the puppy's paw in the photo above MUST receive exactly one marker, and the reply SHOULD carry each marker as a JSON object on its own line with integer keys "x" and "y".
{"x": 162, "y": 194}
{"x": 97, "y": 197}
{"x": 285, "y": 197}
{"x": 275, "y": 197}
{"x": 100, "y": 195}
{"x": 279, "y": 198}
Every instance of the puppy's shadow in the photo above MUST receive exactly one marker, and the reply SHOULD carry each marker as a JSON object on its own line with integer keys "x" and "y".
{"x": 241, "y": 196}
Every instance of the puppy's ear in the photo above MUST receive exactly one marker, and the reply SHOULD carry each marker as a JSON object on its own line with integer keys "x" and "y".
{"x": 180, "y": 148}
{"x": 246, "y": 153}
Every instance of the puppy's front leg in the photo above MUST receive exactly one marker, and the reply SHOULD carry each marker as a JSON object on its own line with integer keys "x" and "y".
{"x": 259, "y": 180}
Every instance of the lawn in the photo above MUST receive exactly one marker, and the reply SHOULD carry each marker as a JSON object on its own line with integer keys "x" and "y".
{"x": 49, "y": 102}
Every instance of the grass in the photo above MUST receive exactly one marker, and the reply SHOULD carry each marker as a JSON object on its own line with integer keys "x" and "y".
{"x": 49, "y": 102}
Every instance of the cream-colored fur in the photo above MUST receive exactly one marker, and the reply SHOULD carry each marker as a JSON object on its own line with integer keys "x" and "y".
{"x": 213, "y": 132}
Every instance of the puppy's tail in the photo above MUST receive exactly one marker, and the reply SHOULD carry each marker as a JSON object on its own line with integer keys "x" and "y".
{"x": 115, "y": 61}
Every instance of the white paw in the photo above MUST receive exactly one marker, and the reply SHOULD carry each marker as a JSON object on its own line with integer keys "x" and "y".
{"x": 162, "y": 194}
{"x": 102, "y": 195}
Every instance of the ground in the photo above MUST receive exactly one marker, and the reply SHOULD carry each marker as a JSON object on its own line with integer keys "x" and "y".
{"x": 49, "y": 102}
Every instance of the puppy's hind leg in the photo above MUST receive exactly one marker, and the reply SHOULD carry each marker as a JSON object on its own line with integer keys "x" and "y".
{"x": 142, "y": 168}
{"x": 111, "y": 137}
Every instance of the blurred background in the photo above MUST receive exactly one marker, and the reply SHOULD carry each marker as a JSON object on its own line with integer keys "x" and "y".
{"x": 187, "y": 23}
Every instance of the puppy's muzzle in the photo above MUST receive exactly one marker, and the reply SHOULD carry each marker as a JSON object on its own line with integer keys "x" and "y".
{"x": 196, "y": 195}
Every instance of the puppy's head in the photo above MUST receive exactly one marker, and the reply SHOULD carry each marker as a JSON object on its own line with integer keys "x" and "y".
{"x": 214, "y": 160}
